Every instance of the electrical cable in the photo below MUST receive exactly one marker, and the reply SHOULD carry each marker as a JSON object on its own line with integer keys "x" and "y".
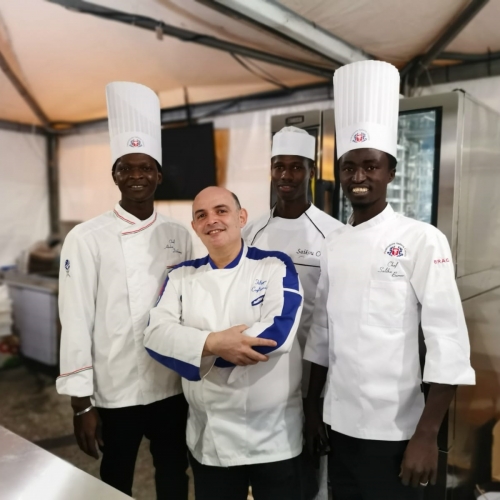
{"x": 262, "y": 70}
{"x": 272, "y": 80}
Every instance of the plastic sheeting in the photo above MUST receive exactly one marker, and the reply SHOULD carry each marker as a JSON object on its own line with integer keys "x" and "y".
{"x": 24, "y": 193}
{"x": 87, "y": 189}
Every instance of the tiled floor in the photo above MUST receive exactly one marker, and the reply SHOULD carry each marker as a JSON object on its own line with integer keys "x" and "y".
{"x": 30, "y": 407}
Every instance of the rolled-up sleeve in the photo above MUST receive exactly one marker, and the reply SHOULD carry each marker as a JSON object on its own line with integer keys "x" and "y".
{"x": 442, "y": 318}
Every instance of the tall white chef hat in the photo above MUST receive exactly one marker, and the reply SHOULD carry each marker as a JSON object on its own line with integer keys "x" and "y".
{"x": 293, "y": 141}
{"x": 366, "y": 100}
{"x": 134, "y": 120}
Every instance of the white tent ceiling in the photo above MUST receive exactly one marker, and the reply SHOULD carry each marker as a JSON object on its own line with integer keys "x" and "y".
{"x": 401, "y": 32}
{"x": 65, "y": 58}
{"x": 398, "y": 30}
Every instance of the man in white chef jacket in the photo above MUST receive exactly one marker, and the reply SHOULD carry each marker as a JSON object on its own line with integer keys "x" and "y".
{"x": 382, "y": 275}
{"x": 227, "y": 324}
{"x": 296, "y": 227}
{"x": 112, "y": 269}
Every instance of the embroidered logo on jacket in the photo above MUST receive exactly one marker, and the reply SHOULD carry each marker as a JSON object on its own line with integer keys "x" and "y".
{"x": 67, "y": 266}
{"x": 258, "y": 300}
{"x": 395, "y": 250}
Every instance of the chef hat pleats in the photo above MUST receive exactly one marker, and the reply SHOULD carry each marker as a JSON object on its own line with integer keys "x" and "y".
{"x": 134, "y": 120}
{"x": 366, "y": 100}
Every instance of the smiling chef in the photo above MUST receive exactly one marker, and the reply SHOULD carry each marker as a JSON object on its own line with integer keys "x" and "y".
{"x": 382, "y": 275}
{"x": 227, "y": 324}
{"x": 112, "y": 269}
{"x": 296, "y": 227}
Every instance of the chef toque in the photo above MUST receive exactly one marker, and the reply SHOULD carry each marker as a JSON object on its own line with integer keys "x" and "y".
{"x": 134, "y": 120}
{"x": 294, "y": 141}
{"x": 366, "y": 100}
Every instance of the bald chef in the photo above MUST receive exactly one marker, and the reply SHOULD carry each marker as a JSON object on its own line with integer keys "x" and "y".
{"x": 112, "y": 269}
{"x": 296, "y": 227}
{"x": 237, "y": 306}
{"x": 382, "y": 275}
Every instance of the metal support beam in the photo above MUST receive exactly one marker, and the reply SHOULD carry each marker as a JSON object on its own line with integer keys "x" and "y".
{"x": 209, "y": 110}
{"x": 52, "y": 142}
{"x": 53, "y": 182}
{"x": 460, "y": 72}
{"x": 416, "y": 67}
{"x": 288, "y": 25}
{"x": 459, "y": 56}
{"x": 22, "y": 127}
{"x": 191, "y": 36}
{"x": 23, "y": 91}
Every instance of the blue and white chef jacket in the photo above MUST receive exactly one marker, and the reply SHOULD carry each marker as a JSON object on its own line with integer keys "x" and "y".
{"x": 244, "y": 414}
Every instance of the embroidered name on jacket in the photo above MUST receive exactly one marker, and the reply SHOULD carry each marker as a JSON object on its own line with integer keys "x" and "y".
{"x": 307, "y": 253}
{"x": 171, "y": 246}
{"x": 259, "y": 286}
{"x": 392, "y": 268}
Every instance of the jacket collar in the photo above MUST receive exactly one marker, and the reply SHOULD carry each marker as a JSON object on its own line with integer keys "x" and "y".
{"x": 235, "y": 261}
{"x": 308, "y": 213}
{"x": 386, "y": 214}
{"x": 130, "y": 224}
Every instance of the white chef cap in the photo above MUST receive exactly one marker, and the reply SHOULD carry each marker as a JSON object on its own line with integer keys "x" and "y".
{"x": 294, "y": 141}
{"x": 134, "y": 120}
{"x": 366, "y": 100}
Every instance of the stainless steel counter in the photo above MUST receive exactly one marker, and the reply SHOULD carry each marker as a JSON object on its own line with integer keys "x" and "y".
{"x": 29, "y": 473}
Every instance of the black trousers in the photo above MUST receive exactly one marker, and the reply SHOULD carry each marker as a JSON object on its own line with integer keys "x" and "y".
{"x": 363, "y": 469}
{"x": 164, "y": 424}
{"x": 270, "y": 481}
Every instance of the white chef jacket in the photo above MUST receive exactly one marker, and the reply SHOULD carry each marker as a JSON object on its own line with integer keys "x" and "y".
{"x": 301, "y": 239}
{"x": 245, "y": 414}
{"x": 112, "y": 269}
{"x": 379, "y": 280}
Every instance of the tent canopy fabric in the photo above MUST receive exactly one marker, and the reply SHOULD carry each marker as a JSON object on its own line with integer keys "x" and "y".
{"x": 65, "y": 58}
{"x": 397, "y": 31}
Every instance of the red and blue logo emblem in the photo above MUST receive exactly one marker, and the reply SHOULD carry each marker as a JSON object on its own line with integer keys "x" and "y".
{"x": 360, "y": 136}
{"x": 395, "y": 250}
{"x": 135, "y": 142}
